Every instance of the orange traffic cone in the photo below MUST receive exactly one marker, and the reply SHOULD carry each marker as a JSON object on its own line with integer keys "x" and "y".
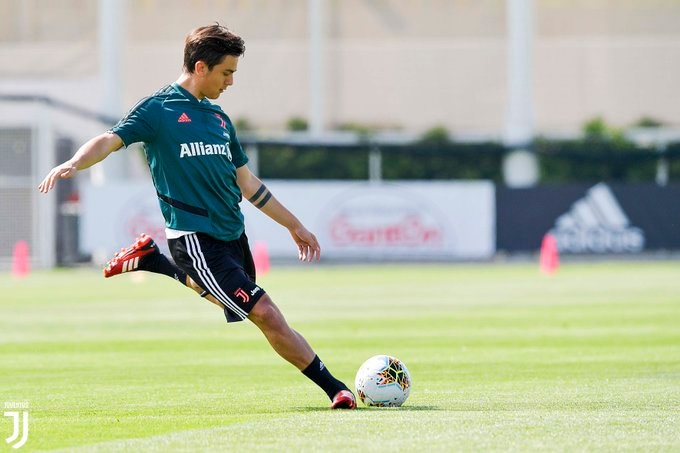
{"x": 261, "y": 258}
{"x": 20, "y": 260}
{"x": 550, "y": 257}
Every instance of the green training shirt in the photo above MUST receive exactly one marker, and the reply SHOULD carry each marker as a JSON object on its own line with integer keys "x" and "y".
{"x": 193, "y": 153}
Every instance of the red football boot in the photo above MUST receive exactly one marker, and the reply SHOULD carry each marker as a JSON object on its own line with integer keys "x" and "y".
{"x": 344, "y": 399}
{"x": 129, "y": 259}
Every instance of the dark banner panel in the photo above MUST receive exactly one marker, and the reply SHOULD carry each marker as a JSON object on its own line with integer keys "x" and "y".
{"x": 597, "y": 218}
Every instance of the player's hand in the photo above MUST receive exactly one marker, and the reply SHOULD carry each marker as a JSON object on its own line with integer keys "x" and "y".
{"x": 63, "y": 171}
{"x": 308, "y": 247}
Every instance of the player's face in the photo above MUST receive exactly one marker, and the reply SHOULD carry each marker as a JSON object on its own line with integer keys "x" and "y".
{"x": 219, "y": 77}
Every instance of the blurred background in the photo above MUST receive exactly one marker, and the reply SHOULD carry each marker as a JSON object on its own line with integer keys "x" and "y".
{"x": 418, "y": 130}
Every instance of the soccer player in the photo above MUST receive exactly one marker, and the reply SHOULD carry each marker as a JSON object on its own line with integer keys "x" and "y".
{"x": 200, "y": 174}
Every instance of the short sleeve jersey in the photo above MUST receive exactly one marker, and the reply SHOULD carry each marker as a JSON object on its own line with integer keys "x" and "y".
{"x": 193, "y": 153}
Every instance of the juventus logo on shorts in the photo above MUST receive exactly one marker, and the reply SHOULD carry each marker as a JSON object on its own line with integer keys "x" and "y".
{"x": 243, "y": 295}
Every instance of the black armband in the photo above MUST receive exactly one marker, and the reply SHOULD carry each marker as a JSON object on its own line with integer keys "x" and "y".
{"x": 264, "y": 200}
{"x": 257, "y": 195}
{"x": 261, "y": 192}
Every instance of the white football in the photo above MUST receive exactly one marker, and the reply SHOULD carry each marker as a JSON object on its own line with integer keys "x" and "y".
{"x": 383, "y": 381}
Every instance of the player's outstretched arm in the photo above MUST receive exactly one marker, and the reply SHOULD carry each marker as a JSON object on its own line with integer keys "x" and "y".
{"x": 95, "y": 150}
{"x": 257, "y": 193}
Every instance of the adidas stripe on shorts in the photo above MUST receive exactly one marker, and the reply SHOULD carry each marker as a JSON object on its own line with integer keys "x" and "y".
{"x": 225, "y": 269}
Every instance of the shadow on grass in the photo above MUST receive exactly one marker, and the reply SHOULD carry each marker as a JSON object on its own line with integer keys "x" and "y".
{"x": 364, "y": 408}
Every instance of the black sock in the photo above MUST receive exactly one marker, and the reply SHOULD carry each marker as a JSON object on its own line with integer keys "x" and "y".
{"x": 160, "y": 264}
{"x": 319, "y": 374}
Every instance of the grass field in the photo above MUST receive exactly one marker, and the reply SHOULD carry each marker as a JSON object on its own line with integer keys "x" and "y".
{"x": 502, "y": 359}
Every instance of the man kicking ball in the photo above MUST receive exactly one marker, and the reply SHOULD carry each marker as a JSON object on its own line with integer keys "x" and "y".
{"x": 200, "y": 174}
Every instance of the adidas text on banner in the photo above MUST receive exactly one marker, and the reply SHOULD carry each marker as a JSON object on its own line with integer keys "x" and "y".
{"x": 597, "y": 223}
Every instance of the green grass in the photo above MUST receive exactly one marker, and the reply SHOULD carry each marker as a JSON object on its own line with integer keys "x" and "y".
{"x": 502, "y": 359}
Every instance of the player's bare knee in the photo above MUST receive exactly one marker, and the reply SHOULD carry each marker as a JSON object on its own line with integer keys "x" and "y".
{"x": 263, "y": 310}
{"x": 266, "y": 315}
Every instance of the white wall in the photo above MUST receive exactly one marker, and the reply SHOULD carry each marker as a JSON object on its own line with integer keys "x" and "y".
{"x": 400, "y": 63}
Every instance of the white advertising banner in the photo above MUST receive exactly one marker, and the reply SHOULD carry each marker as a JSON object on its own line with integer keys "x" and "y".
{"x": 352, "y": 220}
{"x": 112, "y": 215}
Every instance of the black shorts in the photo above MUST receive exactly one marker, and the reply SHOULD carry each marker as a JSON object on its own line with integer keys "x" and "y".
{"x": 225, "y": 269}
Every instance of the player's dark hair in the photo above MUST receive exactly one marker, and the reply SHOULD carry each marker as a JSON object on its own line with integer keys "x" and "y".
{"x": 211, "y": 44}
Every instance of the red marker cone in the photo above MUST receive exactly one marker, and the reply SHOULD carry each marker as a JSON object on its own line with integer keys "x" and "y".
{"x": 550, "y": 257}
{"x": 20, "y": 260}
{"x": 261, "y": 258}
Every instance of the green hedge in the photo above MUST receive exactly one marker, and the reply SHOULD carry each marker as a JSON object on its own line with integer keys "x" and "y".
{"x": 594, "y": 160}
{"x": 443, "y": 161}
{"x": 587, "y": 160}
{"x": 313, "y": 162}
{"x": 673, "y": 155}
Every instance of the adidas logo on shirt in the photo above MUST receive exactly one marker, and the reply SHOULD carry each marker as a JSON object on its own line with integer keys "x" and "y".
{"x": 597, "y": 224}
{"x": 184, "y": 118}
